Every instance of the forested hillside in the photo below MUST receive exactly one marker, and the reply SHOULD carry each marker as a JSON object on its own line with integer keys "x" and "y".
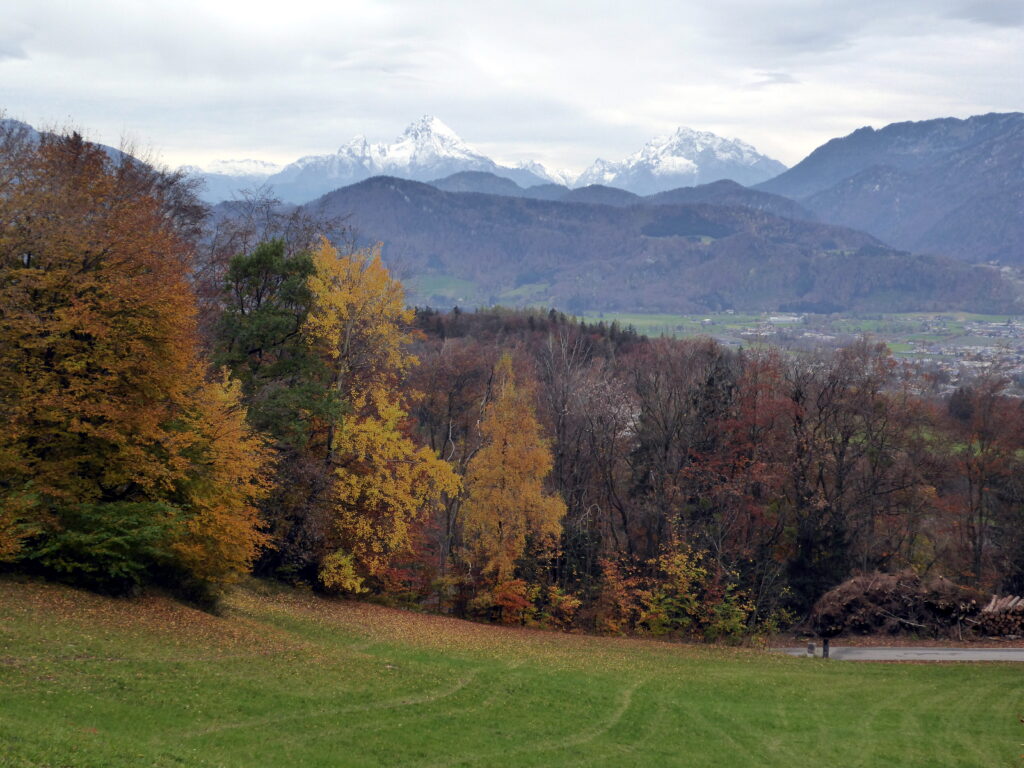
{"x": 676, "y": 257}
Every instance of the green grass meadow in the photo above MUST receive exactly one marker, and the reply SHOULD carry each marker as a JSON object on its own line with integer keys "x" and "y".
{"x": 287, "y": 679}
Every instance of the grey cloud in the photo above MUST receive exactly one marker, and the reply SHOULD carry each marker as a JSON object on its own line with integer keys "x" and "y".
{"x": 790, "y": 29}
{"x": 569, "y": 80}
{"x": 13, "y": 37}
{"x": 765, "y": 79}
{"x": 997, "y": 13}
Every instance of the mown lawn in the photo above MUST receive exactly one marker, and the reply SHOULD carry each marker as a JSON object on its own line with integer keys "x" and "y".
{"x": 286, "y": 679}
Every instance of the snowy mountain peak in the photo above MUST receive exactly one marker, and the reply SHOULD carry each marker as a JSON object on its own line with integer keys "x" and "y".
{"x": 244, "y": 167}
{"x": 357, "y": 144}
{"x": 542, "y": 172}
{"x": 427, "y": 140}
{"x": 428, "y": 150}
{"x": 688, "y": 143}
{"x": 428, "y": 127}
{"x": 686, "y": 157}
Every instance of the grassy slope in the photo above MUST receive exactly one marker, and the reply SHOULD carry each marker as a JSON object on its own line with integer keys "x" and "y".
{"x": 285, "y": 679}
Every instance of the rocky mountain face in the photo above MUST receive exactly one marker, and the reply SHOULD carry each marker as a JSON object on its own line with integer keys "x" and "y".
{"x": 948, "y": 186}
{"x": 685, "y": 158}
{"x": 476, "y": 248}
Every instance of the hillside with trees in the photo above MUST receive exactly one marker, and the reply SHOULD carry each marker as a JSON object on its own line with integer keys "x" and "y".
{"x": 183, "y": 409}
{"x": 672, "y": 258}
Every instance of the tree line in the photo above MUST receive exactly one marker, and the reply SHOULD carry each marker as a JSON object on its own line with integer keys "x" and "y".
{"x": 192, "y": 397}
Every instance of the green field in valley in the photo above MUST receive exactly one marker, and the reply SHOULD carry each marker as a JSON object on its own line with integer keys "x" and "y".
{"x": 283, "y": 678}
{"x": 677, "y": 325}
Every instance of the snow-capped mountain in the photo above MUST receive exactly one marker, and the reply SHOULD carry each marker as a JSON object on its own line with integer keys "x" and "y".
{"x": 684, "y": 159}
{"x": 427, "y": 149}
{"x": 547, "y": 175}
{"x": 245, "y": 167}
{"x": 226, "y": 179}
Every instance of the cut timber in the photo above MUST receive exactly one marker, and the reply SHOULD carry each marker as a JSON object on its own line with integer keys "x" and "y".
{"x": 896, "y": 603}
{"x": 1002, "y": 616}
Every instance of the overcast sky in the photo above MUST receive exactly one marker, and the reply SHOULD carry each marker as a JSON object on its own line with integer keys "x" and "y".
{"x": 561, "y": 82}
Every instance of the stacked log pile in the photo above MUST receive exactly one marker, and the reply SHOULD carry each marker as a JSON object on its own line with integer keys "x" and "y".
{"x": 897, "y": 603}
{"x": 1002, "y": 616}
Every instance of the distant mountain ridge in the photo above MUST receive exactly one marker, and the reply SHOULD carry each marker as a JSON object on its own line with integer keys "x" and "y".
{"x": 723, "y": 192}
{"x": 948, "y": 186}
{"x": 473, "y": 248}
{"x": 23, "y": 130}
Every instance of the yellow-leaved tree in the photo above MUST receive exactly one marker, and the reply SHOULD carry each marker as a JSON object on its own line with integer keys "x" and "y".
{"x": 381, "y": 481}
{"x": 506, "y": 513}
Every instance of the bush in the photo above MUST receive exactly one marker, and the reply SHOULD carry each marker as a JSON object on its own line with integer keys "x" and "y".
{"x": 559, "y": 608}
{"x": 687, "y": 599}
{"x": 338, "y": 573}
{"x": 618, "y": 605}
{"x": 112, "y": 548}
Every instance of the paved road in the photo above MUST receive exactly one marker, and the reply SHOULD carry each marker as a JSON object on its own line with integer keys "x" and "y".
{"x": 848, "y": 653}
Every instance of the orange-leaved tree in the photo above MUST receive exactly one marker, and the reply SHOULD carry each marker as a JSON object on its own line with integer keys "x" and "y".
{"x": 222, "y": 532}
{"x": 107, "y": 463}
{"x": 507, "y": 514}
{"x": 381, "y": 480}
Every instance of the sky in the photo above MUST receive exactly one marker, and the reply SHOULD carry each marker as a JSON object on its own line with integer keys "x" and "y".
{"x": 559, "y": 82}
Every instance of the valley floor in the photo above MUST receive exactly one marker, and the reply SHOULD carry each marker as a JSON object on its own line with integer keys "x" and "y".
{"x": 284, "y": 678}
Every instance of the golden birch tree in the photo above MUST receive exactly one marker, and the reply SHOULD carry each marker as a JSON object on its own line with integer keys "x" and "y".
{"x": 506, "y": 509}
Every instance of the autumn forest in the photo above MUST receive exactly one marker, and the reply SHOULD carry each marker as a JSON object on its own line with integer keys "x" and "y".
{"x": 190, "y": 397}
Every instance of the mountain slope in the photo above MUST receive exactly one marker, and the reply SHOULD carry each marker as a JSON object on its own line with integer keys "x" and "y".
{"x": 907, "y": 146}
{"x": 665, "y": 258}
{"x": 478, "y": 181}
{"x": 728, "y": 192}
{"x": 945, "y": 186}
{"x": 601, "y": 195}
{"x": 685, "y": 158}
{"x": 16, "y": 130}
